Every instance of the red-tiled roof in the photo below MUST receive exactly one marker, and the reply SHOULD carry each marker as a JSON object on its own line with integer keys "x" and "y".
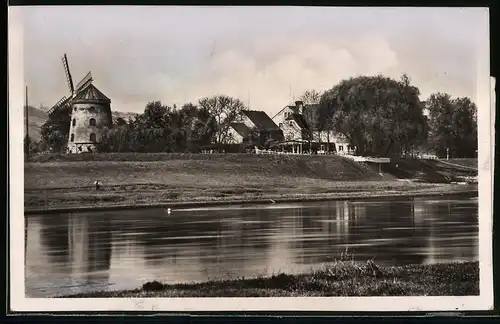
{"x": 261, "y": 120}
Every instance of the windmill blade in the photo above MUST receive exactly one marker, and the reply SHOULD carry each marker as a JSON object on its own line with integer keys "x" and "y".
{"x": 68, "y": 74}
{"x": 84, "y": 82}
{"x": 61, "y": 103}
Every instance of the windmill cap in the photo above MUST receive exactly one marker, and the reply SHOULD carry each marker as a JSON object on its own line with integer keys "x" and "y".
{"x": 90, "y": 94}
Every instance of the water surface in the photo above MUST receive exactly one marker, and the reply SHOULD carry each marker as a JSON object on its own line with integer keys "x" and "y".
{"x": 81, "y": 252}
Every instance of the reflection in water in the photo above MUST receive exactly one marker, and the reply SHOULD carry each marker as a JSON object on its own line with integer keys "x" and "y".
{"x": 71, "y": 253}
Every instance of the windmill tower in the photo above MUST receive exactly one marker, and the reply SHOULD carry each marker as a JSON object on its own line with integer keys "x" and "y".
{"x": 90, "y": 112}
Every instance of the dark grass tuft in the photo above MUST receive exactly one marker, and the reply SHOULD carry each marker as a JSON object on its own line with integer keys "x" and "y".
{"x": 153, "y": 286}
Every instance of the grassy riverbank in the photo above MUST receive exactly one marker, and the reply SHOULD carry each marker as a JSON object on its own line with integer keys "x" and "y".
{"x": 341, "y": 279}
{"x": 65, "y": 181}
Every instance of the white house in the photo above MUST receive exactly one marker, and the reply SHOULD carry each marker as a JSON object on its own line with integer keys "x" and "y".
{"x": 238, "y": 133}
{"x": 295, "y": 128}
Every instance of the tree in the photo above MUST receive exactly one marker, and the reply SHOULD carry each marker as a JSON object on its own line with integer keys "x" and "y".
{"x": 161, "y": 129}
{"x": 32, "y": 146}
{"x": 225, "y": 110}
{"x": 116, "y": 139}
{"x": 199, "y": 124}
{"x": 311, "y": 100}
{"x": 310, "y": 97}
{"x": 55, "y": 130}
{"x": 453, "y": 125}
{"x": 120, "y": 121}
{"x": 378, "y": 115}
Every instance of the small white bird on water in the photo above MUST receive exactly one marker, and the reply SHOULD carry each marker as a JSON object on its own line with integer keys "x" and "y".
{"x": 169, "y": 210}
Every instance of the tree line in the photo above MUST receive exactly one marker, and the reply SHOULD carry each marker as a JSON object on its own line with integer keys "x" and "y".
{"x": 378, "y": 115}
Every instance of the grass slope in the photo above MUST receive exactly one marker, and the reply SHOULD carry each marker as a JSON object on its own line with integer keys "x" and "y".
{"x": 65, "y": 181}
{"x": 340, "y": 279}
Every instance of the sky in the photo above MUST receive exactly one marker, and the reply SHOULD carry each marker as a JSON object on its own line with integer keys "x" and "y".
{"x": 265, "y": 56}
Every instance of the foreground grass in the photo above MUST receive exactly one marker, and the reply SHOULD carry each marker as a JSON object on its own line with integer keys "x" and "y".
{"x": 341, "y": 279}
{"x": 53, "y": 182}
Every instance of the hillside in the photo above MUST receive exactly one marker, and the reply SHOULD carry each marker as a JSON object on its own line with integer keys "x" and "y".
{"x": 37, "y": 118}
{"x": 124, "y": 115}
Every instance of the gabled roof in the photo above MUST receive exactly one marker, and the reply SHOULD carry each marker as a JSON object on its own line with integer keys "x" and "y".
{"x": 300, "y": 120}
{"x": 292, "y": 107}
{"x": 90, "y": 93}
{"x": 241, "y": 129}
{"x": 260, "y": 119}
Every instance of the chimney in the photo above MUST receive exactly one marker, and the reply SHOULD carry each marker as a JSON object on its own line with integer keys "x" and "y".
{"x": 299, "y": 105}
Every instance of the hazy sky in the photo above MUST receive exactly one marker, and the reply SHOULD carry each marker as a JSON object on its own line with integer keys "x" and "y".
{"x": 263, "y": 55}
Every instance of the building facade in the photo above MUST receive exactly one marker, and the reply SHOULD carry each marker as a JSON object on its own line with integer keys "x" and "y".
{"x": 300, "y": 123}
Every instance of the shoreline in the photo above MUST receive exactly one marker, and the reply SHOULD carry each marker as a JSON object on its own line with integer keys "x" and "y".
{"x": 344, "y": 278}
{"x": 467, "y": 192}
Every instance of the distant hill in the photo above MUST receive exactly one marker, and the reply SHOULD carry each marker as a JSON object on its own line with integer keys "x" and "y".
{"x": 37, "y": 118}
{"x": 124, "y": 115}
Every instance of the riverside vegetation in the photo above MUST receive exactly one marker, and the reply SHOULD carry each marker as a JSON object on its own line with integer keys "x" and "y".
{"x": 344, "y": 278}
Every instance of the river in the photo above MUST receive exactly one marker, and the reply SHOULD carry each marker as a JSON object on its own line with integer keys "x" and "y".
{"x": 114, "y": 250}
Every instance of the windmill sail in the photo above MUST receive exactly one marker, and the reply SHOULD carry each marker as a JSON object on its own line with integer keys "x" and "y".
{"x": 68, "y": 74}
{"x": 64, "y": 102}
{"x": 61, "y": 103}
{"x": 87, "y": 79}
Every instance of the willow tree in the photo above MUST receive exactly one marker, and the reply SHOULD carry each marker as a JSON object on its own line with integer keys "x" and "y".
{"x": 378, "y": 115}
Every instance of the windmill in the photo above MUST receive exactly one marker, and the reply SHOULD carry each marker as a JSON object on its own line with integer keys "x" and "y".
{"x": 65, "y": 102}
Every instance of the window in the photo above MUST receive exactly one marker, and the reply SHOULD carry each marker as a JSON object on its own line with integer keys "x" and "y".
{"x": 72, "y": 138}
{"x": 281, "y": 125}
{"x": 92, "y": 122}
{"x": 341, "y": 148}
{"x": 92, "y": 137}
{"x": 290, "y": 123}
{"x": 92, "y": 109}
{"x": 322, "y": 147}
{"x": 74, "y": 109}
{"x": 74, "y": 122}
